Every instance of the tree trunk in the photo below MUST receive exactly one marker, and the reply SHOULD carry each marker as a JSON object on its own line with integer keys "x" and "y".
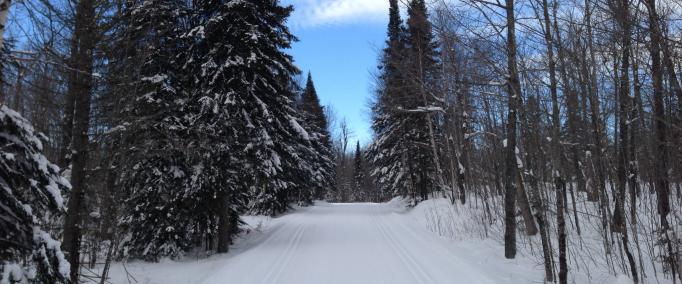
{"x": 598, "y": 149}
{"x": 524, "y": 205}
{"x": 532, "y": 140}
{"x": 661, "y": 182}
{"x": 511, "y": 166}
{"x": 69, "y": 104}
{"x": 432, "y": 133}
{"x": 660, "y": 168}
{"x": 561, "y": 227}
{"x": 557, "y": 164}
{"x": 84, "y": 31}
{"x": 619, "y": 223}
{"x": 224, "y": 225}
{"x": 622, "y": 137}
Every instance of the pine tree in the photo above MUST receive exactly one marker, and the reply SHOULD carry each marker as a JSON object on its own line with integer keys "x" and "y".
{"x": 30, "y": 196}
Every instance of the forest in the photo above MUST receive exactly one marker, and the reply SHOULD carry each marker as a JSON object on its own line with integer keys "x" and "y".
{"x": 145, "y": 130}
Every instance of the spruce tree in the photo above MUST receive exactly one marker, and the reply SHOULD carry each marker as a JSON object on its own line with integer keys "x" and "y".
{"x": 388, "y": 152}
{"x": 155, "y": 172}
{"x": 310, "y": 104}
{"x": 30, "y": 197}
{"x": 243, "y": 103}
{"x": 210, "y": 123}
{"x": 315, "y": 123}
{"x": 421, "y": 80}
{"x": 402, "y": 153}
{"x": 360, "y": 193}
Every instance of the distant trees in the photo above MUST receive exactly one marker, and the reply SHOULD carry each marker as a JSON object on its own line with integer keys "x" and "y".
{"x": 353, "y": 183}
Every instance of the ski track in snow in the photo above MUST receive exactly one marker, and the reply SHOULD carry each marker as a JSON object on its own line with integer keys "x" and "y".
{"x": 415, "y": 269}
{"x": 284, "y": 259}
{"x": 330, "y": 243}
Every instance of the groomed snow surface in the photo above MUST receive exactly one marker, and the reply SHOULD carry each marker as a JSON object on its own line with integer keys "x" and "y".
{"x": 349, "y": 244}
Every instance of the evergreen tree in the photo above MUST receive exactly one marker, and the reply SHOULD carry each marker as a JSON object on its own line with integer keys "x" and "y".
{"x": 310, "y": 104}
{"x": 359, "y": 175}
{"x": 243, "y": 103}
{"x": 402, "y": 153}
{"x": 421, "y": 81}
{"x": 155, "y": 172}
{"x": 315, "y": 123}
{"x": 30, "y": 196}
{"x": 211, "y": 122}
{"x": 387, "y": 152}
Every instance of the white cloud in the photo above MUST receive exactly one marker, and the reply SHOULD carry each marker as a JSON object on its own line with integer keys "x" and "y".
{"x": 314, "y": 13}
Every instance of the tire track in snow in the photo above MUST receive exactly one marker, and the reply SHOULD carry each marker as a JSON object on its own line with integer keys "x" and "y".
{"x": 283, "y": 260}
{"x": 411, "y": 264}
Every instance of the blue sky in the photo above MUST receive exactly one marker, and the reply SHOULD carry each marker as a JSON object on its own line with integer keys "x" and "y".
{"x": 339, "y": 43}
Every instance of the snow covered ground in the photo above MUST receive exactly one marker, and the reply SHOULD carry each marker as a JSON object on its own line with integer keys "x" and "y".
{"x": 340, "y": 243}
{"x": 353, "y": 244}
{"x": 478, "y": 235}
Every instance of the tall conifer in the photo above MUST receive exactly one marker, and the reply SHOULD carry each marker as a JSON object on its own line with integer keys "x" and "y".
{"x": 155, "y": 172}
{"x": 244, "y": 106}
{"x": 421, "y": 82}
{"x": 387, "y": 152}
{"x": 315, "y": 123}
{"x": 401, "y": 154}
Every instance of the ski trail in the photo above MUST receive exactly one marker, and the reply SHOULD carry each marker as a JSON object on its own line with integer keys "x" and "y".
{"x": 413, "y": 266}
{"x": 285, "y": 258}
{"x": 340, "y": 244}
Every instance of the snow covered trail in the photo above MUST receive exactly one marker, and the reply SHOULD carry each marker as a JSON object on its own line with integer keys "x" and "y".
{"x": 337, "y": 243}
{"x": 346, "y": 243}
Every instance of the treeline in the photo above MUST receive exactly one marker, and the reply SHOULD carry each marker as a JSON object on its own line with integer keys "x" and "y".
{"x": 169, "y": 120}
{"x": 535, "y": 107}
{"x": 353, "y": 181}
